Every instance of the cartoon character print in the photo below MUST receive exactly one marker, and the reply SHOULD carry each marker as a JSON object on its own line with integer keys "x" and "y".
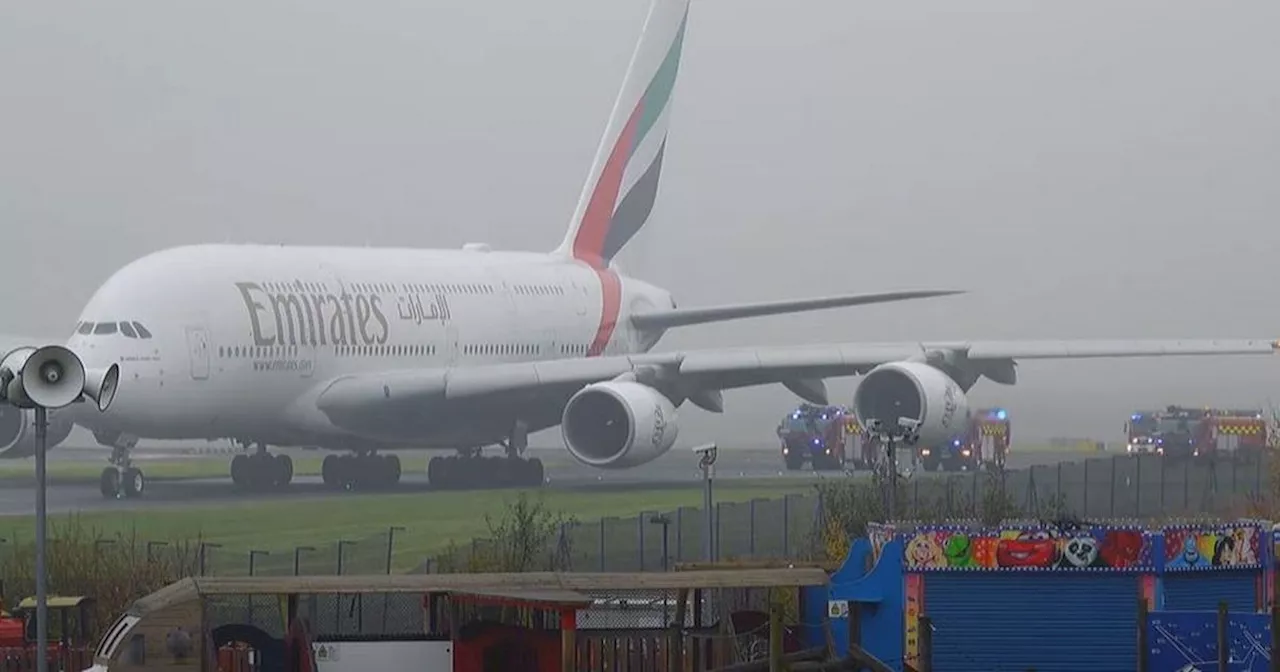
{"x": 958, "y": 550}
{"x": 923, "y": 552}
{"x": 1030, "y": 548}
{"x": 984, "y": 551}
{"x": 1080, "y": 552}
{"x": 1187, "y": 553}
{"x": 1121, "y": 548}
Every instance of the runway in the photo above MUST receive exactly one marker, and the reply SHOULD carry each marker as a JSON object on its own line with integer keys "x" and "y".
{"x": 675, "y": 469}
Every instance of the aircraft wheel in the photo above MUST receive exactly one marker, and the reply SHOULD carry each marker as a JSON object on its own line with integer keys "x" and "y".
{"x": 109, "y": 482}
{"x": 283, "y": 470}
{"x": 392, "y": 469}
{"x": 434, "y": 471}
{"x": 537, "y": 475}
{"x": 239, "y": 470}
{"x": 134, "y": 482}
{"x": 329, "y": 470}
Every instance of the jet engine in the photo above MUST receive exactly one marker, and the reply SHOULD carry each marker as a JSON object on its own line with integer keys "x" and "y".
{"x": 915, "y": 391}
{"x": 618, "y": 424}
{"x": 18, "y": 432}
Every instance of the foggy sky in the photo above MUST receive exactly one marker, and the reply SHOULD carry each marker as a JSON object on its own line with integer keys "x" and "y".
{"x": 1104, "y": 169}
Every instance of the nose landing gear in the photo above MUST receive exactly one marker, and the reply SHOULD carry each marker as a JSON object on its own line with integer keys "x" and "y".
{"x": 121, "y": 479}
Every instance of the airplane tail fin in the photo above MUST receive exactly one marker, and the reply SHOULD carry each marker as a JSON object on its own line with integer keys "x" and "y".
{"x": 623, "y": 183}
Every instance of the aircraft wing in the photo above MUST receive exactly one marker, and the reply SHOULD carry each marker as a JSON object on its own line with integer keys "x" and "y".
{"x": 681, "y": 317}
{"x": 801, "y": 368}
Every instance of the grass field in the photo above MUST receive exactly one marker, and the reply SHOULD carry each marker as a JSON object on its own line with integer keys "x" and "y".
{"x": 431, "y": 520}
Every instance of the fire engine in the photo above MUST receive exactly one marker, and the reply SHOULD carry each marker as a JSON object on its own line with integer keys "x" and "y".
{"x": 813, "y": 434}
{"x": 984, "y": 443}
{"x": 1141, "y": 431}
{"x": 1180, "y": 432}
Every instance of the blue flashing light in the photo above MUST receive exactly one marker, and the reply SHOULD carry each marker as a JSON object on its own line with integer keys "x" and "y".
{"x": 1136, "y": 416}
{"x": 955, "y": 442}
{"x": 796, "y": 415}
{"x": 1001, "y": 414}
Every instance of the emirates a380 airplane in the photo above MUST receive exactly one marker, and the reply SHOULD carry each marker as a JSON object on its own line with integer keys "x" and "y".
{"x": 358, "y": 350}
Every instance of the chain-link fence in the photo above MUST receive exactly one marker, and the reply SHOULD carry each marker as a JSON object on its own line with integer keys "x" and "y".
{"x": 1126, "y": 486}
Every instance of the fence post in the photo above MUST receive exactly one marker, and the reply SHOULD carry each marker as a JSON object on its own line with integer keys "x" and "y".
{"x": 1142, "y": 634}
{"x": 1164, "y": 471}
{"x": 925, "y": 662}
{"x": 1058, "y": 495}
{"x": 679, "y": 533}
{"x": 1224, "y": 648}
{"x": 601, "y": 545}
{"x": 1137, "y": 503}
{"x": 1085, "y": 492}
{"x": 786, "y": 526}
{"x": 1186, "y": 485}
{"x": 751, "y": 527}
{"x": 1113, "y": 487}
{"x": 640, "y": 520}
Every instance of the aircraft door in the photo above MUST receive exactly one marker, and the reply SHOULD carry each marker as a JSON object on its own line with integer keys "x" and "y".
{"x": 198, "y": 350}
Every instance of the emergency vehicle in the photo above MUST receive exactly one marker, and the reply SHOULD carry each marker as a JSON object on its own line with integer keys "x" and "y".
{"x": 1231, "y": 433}
{"x": 813, "y": 434}
{"x": 1180, "y": 432}
{"x": 1141, "y": 432}
{"x": 985, "y": 443}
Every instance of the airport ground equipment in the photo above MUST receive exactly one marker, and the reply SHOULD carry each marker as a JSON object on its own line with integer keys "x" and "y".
{"x": 1053, "y": 595}
{"x": 985, "y": 443}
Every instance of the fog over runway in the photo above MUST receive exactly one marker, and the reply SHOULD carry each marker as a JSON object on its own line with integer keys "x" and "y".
{"x": 678, "y": 468}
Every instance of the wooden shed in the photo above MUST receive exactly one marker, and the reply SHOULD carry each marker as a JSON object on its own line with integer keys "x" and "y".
{"x": 183, "y": 625}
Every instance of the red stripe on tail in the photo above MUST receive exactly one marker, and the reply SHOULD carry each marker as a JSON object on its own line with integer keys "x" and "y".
{"x": 588, "y": 245}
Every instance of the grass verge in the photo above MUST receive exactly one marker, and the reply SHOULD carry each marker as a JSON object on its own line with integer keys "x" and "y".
{"x": 430, "y": 520}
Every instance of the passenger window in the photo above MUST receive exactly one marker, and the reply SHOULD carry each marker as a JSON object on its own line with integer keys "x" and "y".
{"x": 142, "y": 331}
{"x": 127, "y": 330}
{"x": 105, "y": 328}
{"x": 85, "y": 328}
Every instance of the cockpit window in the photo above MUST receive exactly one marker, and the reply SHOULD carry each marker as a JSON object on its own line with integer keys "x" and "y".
{"x": 142, "y": 331}
{"x": 84, "y": 328}
{"x": 105, "y": 328}
{"x": 127, "y": 330}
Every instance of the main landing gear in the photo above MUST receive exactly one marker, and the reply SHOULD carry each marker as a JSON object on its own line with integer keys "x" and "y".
{"x": 261, "y": 470}
{"x": 121, "y": 478}
{"x": 362, "y": 471}
{"x": 471, "y": 470}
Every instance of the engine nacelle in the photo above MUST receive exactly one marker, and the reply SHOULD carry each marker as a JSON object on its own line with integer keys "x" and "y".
{"x": 618, "y": 424}
{"x": 916, "y": 391}
{"x": 18, "y": 432}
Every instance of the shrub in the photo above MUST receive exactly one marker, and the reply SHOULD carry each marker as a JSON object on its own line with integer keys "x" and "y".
{"x": 525, "y": 537}
{"x": 114, "y": 571}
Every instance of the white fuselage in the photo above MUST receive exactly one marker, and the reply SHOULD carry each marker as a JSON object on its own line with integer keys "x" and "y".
{"x": 240, "y": 335}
